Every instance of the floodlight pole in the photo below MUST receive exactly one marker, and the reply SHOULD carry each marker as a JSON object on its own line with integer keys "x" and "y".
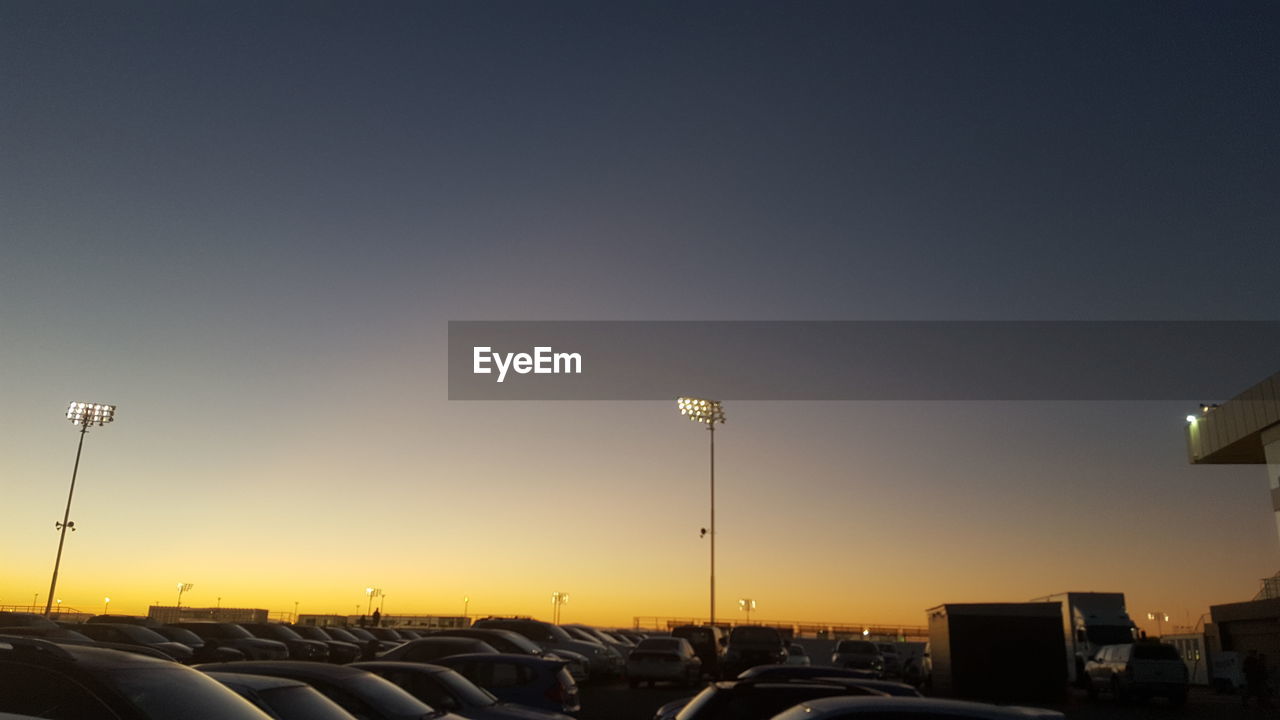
{"x": 66, "y": 516}
{"x": 711, "y": 427}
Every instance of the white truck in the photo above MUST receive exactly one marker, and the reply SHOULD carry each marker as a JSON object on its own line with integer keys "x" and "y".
{"x": 1089, "y": 621}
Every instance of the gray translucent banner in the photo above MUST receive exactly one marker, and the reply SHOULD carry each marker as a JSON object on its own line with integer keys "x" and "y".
{"x": 791, "y": 360}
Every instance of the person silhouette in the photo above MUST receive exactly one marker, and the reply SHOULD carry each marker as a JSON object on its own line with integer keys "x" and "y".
{"x": 377, "y": 617}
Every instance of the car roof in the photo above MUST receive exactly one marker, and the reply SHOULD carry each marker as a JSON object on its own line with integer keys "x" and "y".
{"x": 427, "y": 668}
{"x": 81, "y": 655}
{"x": 290, "y": 668}
{"x": 504, "y": 657}
{"x": 959, "y": 708}
{"x": 254, "y": 682}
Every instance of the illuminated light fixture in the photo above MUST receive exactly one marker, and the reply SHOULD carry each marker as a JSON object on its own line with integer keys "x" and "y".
{"x": 557, "y": 599}
{"x": 184, "y": 587}
{"x": 85, "y": 415}
{"x": 708, "y": 412}
{"x": 1191, "y": 418}
{"x": 372, "y": 592}
{"x": 747, "y": 604}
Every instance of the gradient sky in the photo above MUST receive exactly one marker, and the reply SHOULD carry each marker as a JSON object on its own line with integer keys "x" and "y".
{"x": 247, "y": 224}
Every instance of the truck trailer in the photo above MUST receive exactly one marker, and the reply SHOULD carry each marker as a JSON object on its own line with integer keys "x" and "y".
{"x": 998, "y": 652}
{"x": 1089, "y": 621}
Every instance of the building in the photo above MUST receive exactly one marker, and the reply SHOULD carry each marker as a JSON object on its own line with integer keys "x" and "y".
{"x": 171, "y": 614}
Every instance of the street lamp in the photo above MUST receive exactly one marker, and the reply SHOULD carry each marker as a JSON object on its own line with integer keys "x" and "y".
{"x": 557, "y": 599}
{"x": 747, "y": 604}
{"x": 709, "y": 412}
{"x": 183, "y": 587}
{"x": 1160, "y": 619}
{"x": 84, "y": 415}
{"x": 466, "y": 602}
{"x": 372, "y": 592}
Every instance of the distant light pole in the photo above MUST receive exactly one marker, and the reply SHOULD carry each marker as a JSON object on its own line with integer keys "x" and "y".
{"x": 295, "y": 611}
{"x": 372, "y": 592}
{"x": 747, "y": 604}
{"x": 183, "y": 587}
{"x": 466, "y": 601}
{"x": 84, "y": 415}
{"x": 382, "y": 605}
{"x": 709, "y": 412}
{"x": 59, "y": 606}
{"x": 1160, "y": 619}
{"x": 557, "y": 599}
{"x": 106, "y": 605}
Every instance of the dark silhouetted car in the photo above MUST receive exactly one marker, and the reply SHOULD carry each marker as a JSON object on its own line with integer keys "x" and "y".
{"x": 667, "y": 659}
{"x": 1139, "y": 670}
{"x": 751, "y": 645}
{"x": 232, "y": 635}
{"x": 136, "y": 635}
{"x": 522, "y": 679}
{"x": 600, "y": 662}
{"x": 24, "y": 619}
{"x": 445, "y": 689}
{"x": 340, "y": 651}
{"x": 72, "y": 682}
{"x": 360, "y": 693}
{"x": 299, "y": 647}
{"x": 859, "y": 655}
{"x": 887, "y": 708}
{"x": 210, "y": 651}
{"x": 509, "y": 641}
{"x": 283, "y": 698}
{"x": 708, "y": 642}
{"x": 433, "y": 648}
{"x": 756, "y": 699}
{"x": 388, "y": 634}
{"x": 67, "y": 636}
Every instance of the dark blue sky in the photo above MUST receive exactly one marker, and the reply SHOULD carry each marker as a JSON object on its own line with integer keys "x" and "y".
{"x": 244, "y": 204}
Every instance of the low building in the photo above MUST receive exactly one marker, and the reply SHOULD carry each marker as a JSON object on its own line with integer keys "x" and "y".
{"x": 171, "y": 614}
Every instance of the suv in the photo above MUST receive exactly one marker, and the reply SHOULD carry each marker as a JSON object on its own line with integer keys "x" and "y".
{"x": 600, "y": 661}
{"x": 72, "y": 682}
{"x": 708, "y": 642}
{"x": 751, "y": 645}
{"x": 1138, "y": 670}
{"x": 858, "y": 655}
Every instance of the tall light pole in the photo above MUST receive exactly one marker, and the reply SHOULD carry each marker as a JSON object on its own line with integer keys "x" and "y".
{"x": 466, "y": 602}
{"x": 184, "y": 587}
{"x": 372, "y": 592}
{"x": 709, "y": 412}
{"x": 84, "y": 415}
{"x": 106, "y": 605}
{"x": 747, "y": 604}
{"x": 1160, "y": 619}
{"x": 557, "y": 599}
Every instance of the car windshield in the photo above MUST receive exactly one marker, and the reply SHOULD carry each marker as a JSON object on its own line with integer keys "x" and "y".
{"x": 386, "y": 695}
{"x": 309, "y": 632}
{"x": 340, "y": 634}
{"x": 754, "y": 635}
{"x": 182, "y": 635}
{"x": 520, "y": 642}
{"x": 1155, "y": 652}
{"x": 302, "y": 701}
{"x": 470, "y": 693}
{"x": 277, "y": 632}
{"x": 362, "y": 633}
{"x": 164, "y": 692}
{"x": 139, "y": 634}
{"x": 856, "y": 646}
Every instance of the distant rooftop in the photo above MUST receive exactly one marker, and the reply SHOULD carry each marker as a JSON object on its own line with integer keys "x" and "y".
{"x": 1231, "y": 433}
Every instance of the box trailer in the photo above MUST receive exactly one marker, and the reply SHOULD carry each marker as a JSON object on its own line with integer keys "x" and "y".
{"x": 998, "y": 651}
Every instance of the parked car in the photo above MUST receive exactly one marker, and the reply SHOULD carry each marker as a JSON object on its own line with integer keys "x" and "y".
{"x": 755, "y": 699}
{"x": 67, "y": 636}
{"x": 299, "y": 647}
{"x": 616, "y": 657}
{"x": 9, "y": 618}
{"x": 663, "y": 659}
{"x": 508, "y": 641}
{"x": 796, "y": 655}
{"x": 890, "y": 657}
{"x": 886, "y": 708}
{"x": 619, "y": 645}
{"x": 751, "y": 645}
{"x": 232, "y": 635}
{"x": 360, "y": 693}
{"x": 282, "y": 698}
{"x": 211, "y": 651}
{"x": 387, "y": 634}
{"x": 136, "y": 635}
{"x": 340, "y": 651}
{"x": 708, "y": 641}
{"x": 72, "y": 682}
{"x": 1138, "y": 670}
{"x": 444, "y": 689}
{"x": 369, "y": 640}
{"x": 522, "y": 679}
{"x": 859, "y": 655}
{"x": 431, "y": 649}
{"x": 600, "y": 662}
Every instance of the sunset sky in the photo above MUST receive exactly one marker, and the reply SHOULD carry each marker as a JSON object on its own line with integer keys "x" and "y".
{"x": 248, "y": 225}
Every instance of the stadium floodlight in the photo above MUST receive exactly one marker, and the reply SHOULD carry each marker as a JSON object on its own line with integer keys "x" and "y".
{"x": 557, "y": 599}
{"x": 747, "y": 604}
{"x": 372, "y": 592}
{"x": 708, "y": 412}
{"x": 84, "y": 415}
{"x": 184, "y": 587}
